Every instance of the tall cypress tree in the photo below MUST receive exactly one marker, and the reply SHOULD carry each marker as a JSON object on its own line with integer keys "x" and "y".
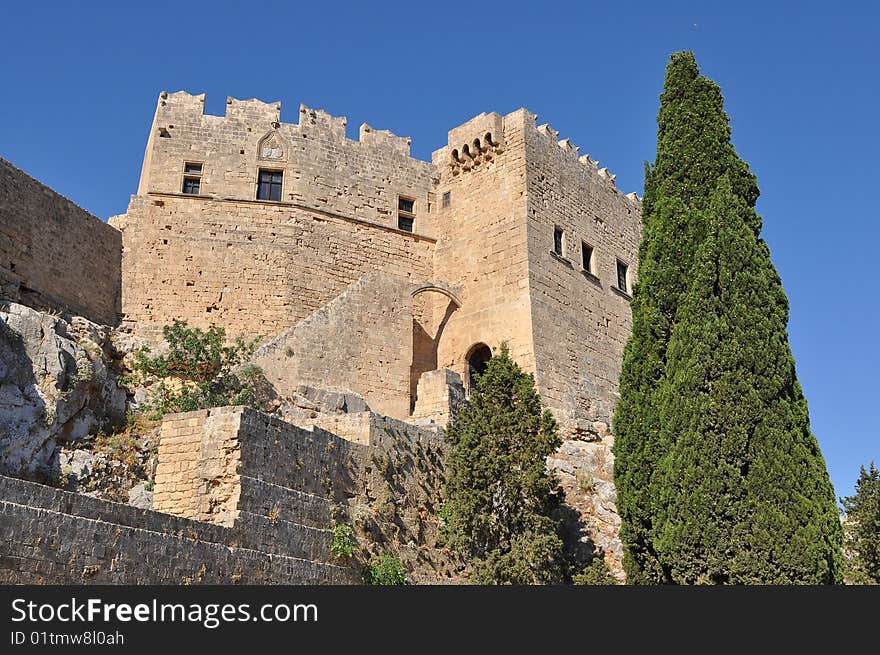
{"x": 718, "y": 476}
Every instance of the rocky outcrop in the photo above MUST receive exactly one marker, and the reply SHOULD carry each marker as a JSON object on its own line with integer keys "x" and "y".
{"x": 585, "y": 468}
{"x": 56, "y": 387}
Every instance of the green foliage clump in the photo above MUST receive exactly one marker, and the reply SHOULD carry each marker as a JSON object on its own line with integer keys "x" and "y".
{"x": 595, "y": 574}
{"x": 501, "y": 507}
{"x": 386, "y": 571}
{"x": 343, "y": 541}
{"x": 719, "y": 478}
{"x": 200, "y": 370}
{"x": 861, "y": 529}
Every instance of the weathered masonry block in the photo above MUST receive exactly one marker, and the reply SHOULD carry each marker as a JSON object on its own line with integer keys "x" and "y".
{"x": 54, "y": 255}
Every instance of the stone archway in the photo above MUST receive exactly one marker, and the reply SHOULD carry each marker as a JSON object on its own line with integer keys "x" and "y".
{"x": 433, "y": 307}
{"x": 477, "y": 360}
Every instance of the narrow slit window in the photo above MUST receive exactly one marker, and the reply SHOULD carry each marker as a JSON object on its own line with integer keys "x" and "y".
{"x": 269, "y": 185}
{"x": 587, "y": 257}
{"x": 447, "y": 199}
{"x": 558, "y": 240}
{"x": 622, "y": 270}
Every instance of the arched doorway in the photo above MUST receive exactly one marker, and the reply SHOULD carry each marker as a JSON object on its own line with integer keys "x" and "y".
{"x": 477, "y": 361}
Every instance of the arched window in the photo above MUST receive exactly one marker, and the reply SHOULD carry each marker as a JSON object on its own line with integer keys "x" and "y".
{"x": 477, "y": 360}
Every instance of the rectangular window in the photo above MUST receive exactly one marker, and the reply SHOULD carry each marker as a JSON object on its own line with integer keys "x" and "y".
{"x": 191, "y": 185}
{"x": 192, "y": 178}
{"x": 587, "y": 256}
{"x": 621, "y": 276}
{"x": 447, "y": 199}
{"x": 406, "y": 205}
{"x": 269, "y": 186}
{"x": 558, "y": 241}
{"x": 406, "y": 213}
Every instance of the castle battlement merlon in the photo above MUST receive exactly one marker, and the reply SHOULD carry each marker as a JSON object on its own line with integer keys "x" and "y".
{"x": 385, "y": 139}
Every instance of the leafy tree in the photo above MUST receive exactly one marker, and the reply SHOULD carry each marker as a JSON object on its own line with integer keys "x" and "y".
{"x": 861, "y": 529}
{"x": 200, "y": 370}
{"x": 501, "y": 503}
{"x": 719, "y": 478}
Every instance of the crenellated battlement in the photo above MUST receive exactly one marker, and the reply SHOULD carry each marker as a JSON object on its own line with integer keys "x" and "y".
{"x": 572, "y": 151}
{"x": 182, "y": 108}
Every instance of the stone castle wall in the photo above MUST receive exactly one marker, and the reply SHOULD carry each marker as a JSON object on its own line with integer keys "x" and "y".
{"x": 581, "y": 318}
{"x": 258, "y": 267}
{"x": 486, "y": 208}
{"x": 360, "y": 341}
{"x": 49, "y": 536}
{"x": 240, "y": 497}
{"x": 53, "y": 254}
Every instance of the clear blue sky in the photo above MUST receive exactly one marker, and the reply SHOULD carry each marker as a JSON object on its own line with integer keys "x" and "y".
{"x": 79, "y": 83}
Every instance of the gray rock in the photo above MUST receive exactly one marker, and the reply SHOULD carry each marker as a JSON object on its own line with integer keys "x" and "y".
{"x": 139, "y": 497}
{"x": 331, "y": 401}
{"x": 78, "y": 463}
{"x": 55, "y": 388}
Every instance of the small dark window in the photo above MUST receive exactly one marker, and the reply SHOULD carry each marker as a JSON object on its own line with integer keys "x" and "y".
{"x": 269, "y": 187}
{"x": 195, "y": 169}
{"x": 621, "y": 276}
{"x": 406, "y": 205}
{"x": 447, "y": 198}
{"x": 557, "y": 240}
{"x": 406, "y": 213}
{"x": 191, "y": 185}
{"x": 587, "y": 257}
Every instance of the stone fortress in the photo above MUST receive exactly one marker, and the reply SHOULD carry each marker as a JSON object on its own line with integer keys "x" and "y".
{"x": 364, "y": 271}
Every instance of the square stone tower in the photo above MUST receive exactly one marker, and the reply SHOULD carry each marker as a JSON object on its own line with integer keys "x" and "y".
{"x": 543, "y": 248}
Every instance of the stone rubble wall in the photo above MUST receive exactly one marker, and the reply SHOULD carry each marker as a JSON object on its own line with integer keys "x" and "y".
{"x": 53, "y": 254}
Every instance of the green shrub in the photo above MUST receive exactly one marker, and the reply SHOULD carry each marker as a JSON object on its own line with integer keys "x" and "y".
{"x": 595, "y": 574}
{"x": 386, "y": 570}
{"x": 344, "y": 542}
{"x": 201, "y": 370}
